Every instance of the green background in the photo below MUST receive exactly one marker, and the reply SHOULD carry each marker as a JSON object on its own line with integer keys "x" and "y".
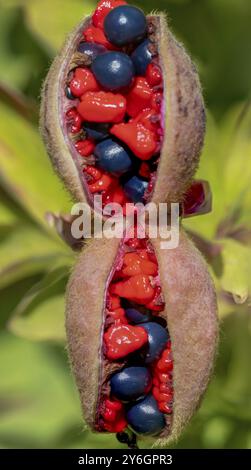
{"x": 38, "y": 402}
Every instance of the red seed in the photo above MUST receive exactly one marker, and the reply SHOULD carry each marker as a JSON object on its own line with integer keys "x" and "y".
{"x": 165, "y": 365}
{"x": 143, "y": 254}
{"x": 165, "y": 408}
{"x": 166, "y": 388}
{"x": 100, "y": 181}
{"x": 109, "y": 415}
{"x": 113, "y": 302}
{"x": 102, "y": 107}
{"x": 102, "y": 10}
{"x": 113, "y": 405}
{"x": 161, "y": 397}
{"x": 119, "y": 314}
{"x": 74, "y": 118}
{"x": 156, "y": 101}
{"x": 85, "y": 147}
{"x": 137, "y": 288}
{"x": 96, "y": 35}
{"x": 123, "y": 340}
{"x": 117, "y": 196}
{"x": 103, "y": 184}
{"x": 156, "y": 393}
{"x": 149, "y": 119}
{"x": 139, "y": 98}
{"x": 93, "y": 172}
{"x": 83, "y": 81}
{"x": 164, "y": 378}
{"x": 134, "y": 242}
{"x": 134, "y": 264}
{"x": 153, "y": 258}
{"x": 157, "y": 303}
{"x": 165, "y": 397}
{"x": 140, "y": 140}
{"x": 153, "y": 74}
{"x": 156, "y": 382}
{"x": 118, "y": 426}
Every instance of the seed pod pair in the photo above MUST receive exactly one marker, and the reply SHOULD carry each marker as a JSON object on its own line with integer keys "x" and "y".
{"x": 132, "y": 133}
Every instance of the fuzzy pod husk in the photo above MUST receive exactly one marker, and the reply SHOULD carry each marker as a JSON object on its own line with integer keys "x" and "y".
{"x": 191, "y": 314}
{"x": 183, "y": 117}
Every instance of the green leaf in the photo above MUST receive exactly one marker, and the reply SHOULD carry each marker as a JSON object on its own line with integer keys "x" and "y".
{"x": 7, "y": 216}
{"x": 24, "y": 250}
{"x": 236, "y": 275}
{"x": 210, "y": 169}
{"x": 10, "y": 212}
{"x": 40, "y": 314}
{"x": 217, "y": 432}
{"x": 38, "y": 401}
{"x": 217, "y": 35}
{"x": 226, "y": 164}
{"x": 12, "y": 294}
{"x": 225, "y": 308}
{"x": 238, "y": 170}
{"x": 25, "y": 170}
{"x": 15, "y": 69}
{"x": 23, "y": 58}
{"x": 40, "y": 407}
{"x": 52, "y": 27}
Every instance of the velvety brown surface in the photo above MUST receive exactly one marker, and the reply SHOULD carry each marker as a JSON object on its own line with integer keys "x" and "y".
{"x": 51, "y": 116}
{"x": 190, "y": 312}
{"x": 184, "y": 120}
{"x": 84, "y": 318}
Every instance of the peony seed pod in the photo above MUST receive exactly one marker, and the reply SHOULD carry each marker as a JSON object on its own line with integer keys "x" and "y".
{"x": 132, "y": 305}
{"x": 124, "y": 121}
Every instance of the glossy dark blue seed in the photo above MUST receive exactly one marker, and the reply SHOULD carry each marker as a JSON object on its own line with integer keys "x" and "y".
{"x": 135, "y": 316}
{"x": 125, "y": 25}
{"x": 69, "y": 94}
{"x": 157, "y": 340}
{"x": 112, "y": 157}
{"x": 142, "y": 57}
{"x": 97, "y": 131}
{"x": 131, "y": 383}
{"x": 135, "y": 189}
{"x": 144, "y": 417}
{"x": 113, "y": 70}
{"x": 91, "y": 49}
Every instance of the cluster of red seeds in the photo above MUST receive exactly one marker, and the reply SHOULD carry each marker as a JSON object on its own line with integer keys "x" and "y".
{"x": 136, "y": 280}
{"x": 162, "y": 380}
{"x": 114, "y": 416}
{"x": 133, "y": 114}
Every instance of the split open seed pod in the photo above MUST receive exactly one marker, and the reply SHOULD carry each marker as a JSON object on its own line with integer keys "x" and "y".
{"x": 189, "y": 315}
{"x": 182, "y": 116}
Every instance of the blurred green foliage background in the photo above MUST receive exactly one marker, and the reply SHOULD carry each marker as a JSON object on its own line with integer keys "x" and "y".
{"x": 38, "y": 402}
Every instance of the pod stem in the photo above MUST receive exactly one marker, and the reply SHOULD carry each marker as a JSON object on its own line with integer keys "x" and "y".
{"x": 128, "y": 438}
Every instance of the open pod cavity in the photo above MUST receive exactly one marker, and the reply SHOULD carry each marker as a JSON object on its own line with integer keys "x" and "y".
{"x": 148, "y": 148}
{"x": 142, "y": 332}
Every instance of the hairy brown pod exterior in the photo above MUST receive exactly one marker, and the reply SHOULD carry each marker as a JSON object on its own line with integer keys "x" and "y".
{"x": 183, "y": 120}
{"x": 191, "y": 315}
